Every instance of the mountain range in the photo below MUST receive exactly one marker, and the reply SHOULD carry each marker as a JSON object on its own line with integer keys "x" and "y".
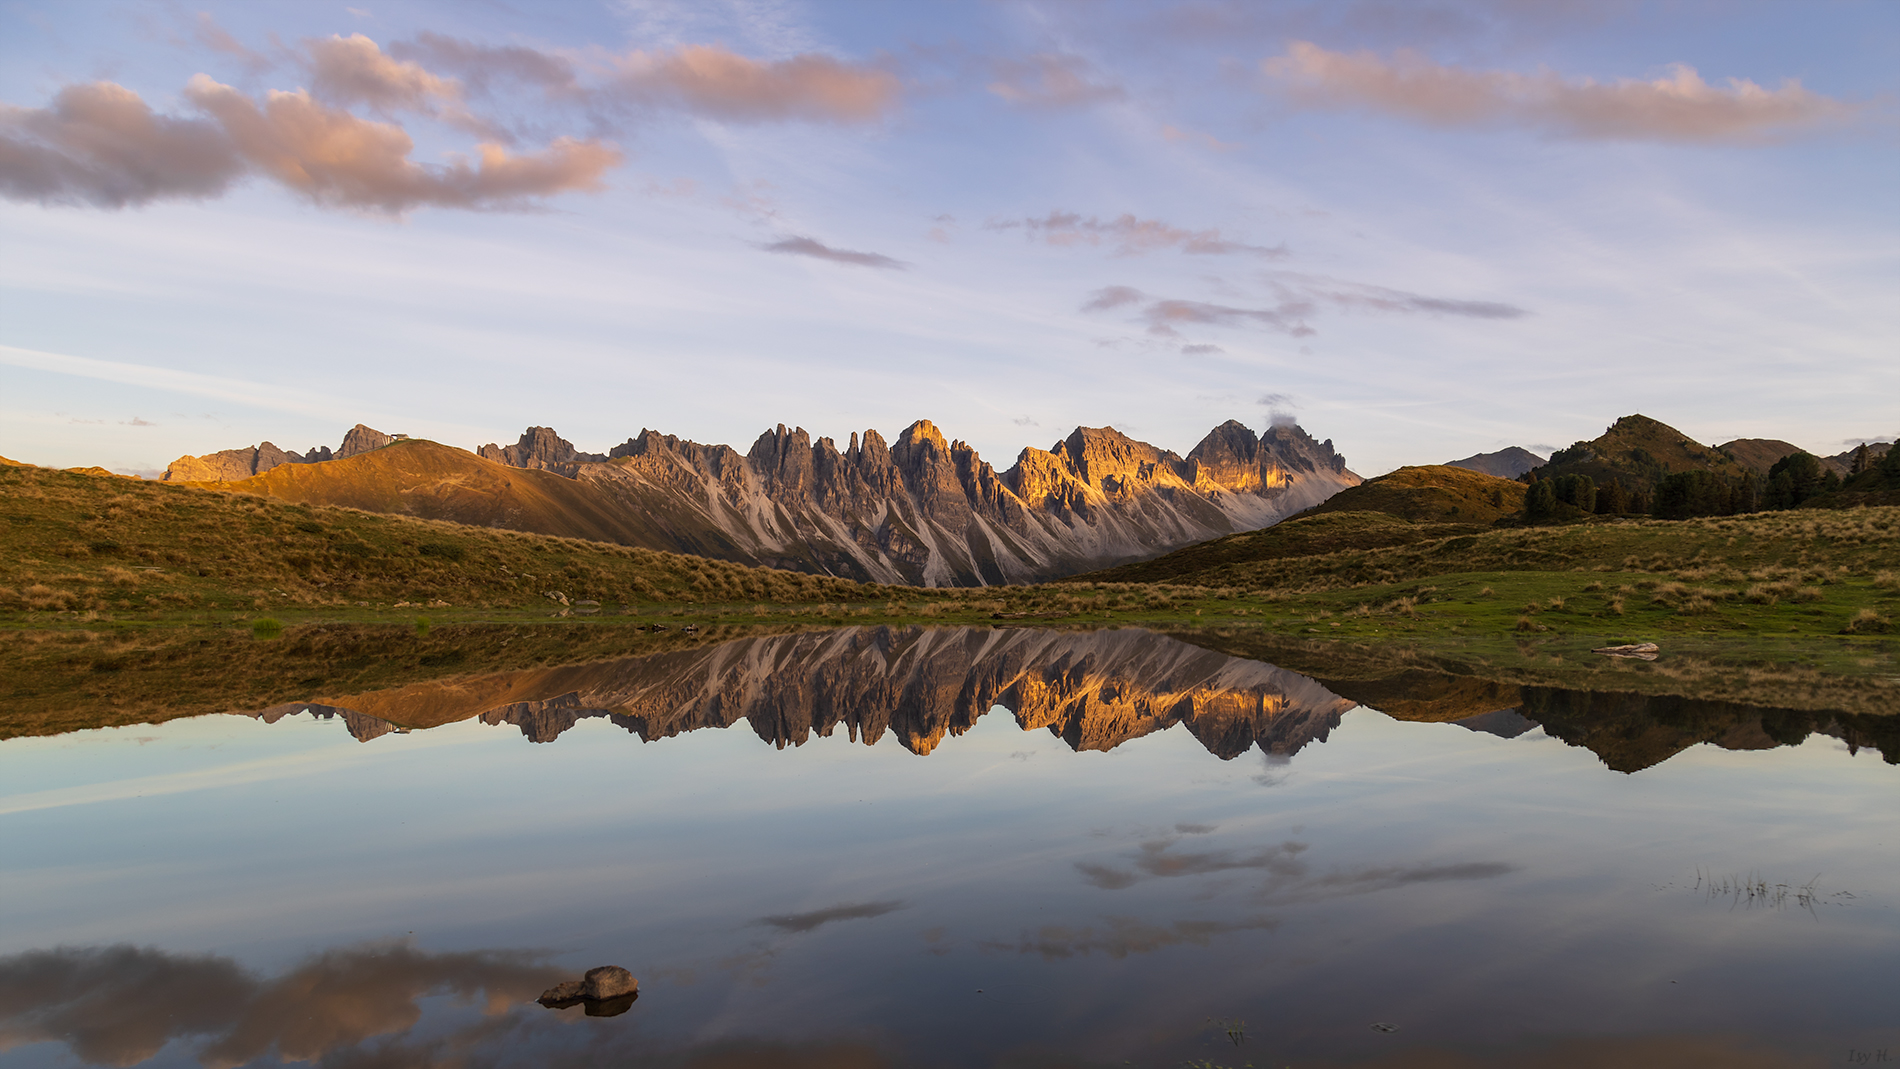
{"x": 921, "y": 510}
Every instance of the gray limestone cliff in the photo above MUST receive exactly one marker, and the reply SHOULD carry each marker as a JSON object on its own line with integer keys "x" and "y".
{"x": 926, "y": 510}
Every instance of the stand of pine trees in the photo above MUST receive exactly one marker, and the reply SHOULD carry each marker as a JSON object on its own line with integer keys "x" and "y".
{"x": 1793, "y": 481}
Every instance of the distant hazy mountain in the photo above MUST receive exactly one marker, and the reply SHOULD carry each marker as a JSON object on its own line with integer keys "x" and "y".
{"x": 1760, "y": 454}
{"x": 1505, "y": 463}
{"x": 922, "y": 510}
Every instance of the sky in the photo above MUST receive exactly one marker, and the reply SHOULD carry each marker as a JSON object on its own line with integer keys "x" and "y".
{"x": 1421, "y": 229}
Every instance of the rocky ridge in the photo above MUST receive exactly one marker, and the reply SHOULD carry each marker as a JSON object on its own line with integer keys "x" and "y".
{"x": 229, "y": 465}
{"x": 920, "y": 510}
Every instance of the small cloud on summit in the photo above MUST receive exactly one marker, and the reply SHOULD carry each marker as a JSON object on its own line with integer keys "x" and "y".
{"x": 818, "y": 250}
{"x": 1280, "y": 409}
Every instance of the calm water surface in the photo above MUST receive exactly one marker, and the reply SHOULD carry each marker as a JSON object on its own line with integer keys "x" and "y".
{"x": 951, "y": 847}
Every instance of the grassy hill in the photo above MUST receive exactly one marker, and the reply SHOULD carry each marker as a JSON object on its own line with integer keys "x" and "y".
{"x": 1307, "y": 536}
{"x": 102, "y": 544}
{"x": 1757, "y": 454}
{"x": 1344, "y": 550}
{"x": 1431, "y": 493}
{"x": 1638, "y": 452}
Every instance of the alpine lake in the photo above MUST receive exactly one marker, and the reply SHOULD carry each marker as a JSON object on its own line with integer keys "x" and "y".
{"x": 933, "y": 846}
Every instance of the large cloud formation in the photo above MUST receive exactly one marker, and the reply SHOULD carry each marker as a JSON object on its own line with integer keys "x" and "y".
{"x": 1680, "y": 107}
{"x": 102, "y": 145}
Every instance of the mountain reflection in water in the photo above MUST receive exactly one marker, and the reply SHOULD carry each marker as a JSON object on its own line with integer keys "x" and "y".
{"x": 1093, "y": 689}
{"x": 213, "y": 891}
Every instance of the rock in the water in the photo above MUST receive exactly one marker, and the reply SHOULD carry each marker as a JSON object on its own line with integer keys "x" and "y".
{"x": 565, "y": 991}
{"x": 609, "y": 986}
{"x": 609, "y": 981}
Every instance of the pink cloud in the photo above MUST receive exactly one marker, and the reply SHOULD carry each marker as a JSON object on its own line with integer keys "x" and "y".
{"x": 1131, "y": 236}
{"x": 1680, "y": 107}
{"x": 100, "y": 144}
{"x": 336, "y": 158}
{"x": 354, "y": 70}
{"x": 711, "y": 81}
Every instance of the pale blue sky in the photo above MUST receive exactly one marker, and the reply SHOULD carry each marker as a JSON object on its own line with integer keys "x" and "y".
{"x": 1424, "y": 229}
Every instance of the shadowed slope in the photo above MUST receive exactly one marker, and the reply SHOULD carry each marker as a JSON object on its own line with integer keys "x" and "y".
{"x": 1433, "y": 493}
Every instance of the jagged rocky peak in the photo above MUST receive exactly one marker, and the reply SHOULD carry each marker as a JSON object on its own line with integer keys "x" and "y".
{"x": 1109, "y": 460}
{"x": 540, "y": 449}
{"x": 229, "y": 465}
{"x": 361, "y": 439}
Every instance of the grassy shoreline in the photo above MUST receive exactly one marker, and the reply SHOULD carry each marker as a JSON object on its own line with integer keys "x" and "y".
{"x": 1798, "y": 599}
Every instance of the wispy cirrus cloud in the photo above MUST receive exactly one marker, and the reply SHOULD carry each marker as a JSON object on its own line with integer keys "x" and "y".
{"x": 1129, "y": 235}
{"x": 714, "y": 82}
{"x": 1297, "y": 298}
{"x": 818, "y": 250}
{"x": 1679, "y": 107}
{"x": 1052, "y": 80}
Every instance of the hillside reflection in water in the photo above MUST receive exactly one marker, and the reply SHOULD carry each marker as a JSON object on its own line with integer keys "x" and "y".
{"x": 1109, "y": 848}
{"x": 1095, "y": 690}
